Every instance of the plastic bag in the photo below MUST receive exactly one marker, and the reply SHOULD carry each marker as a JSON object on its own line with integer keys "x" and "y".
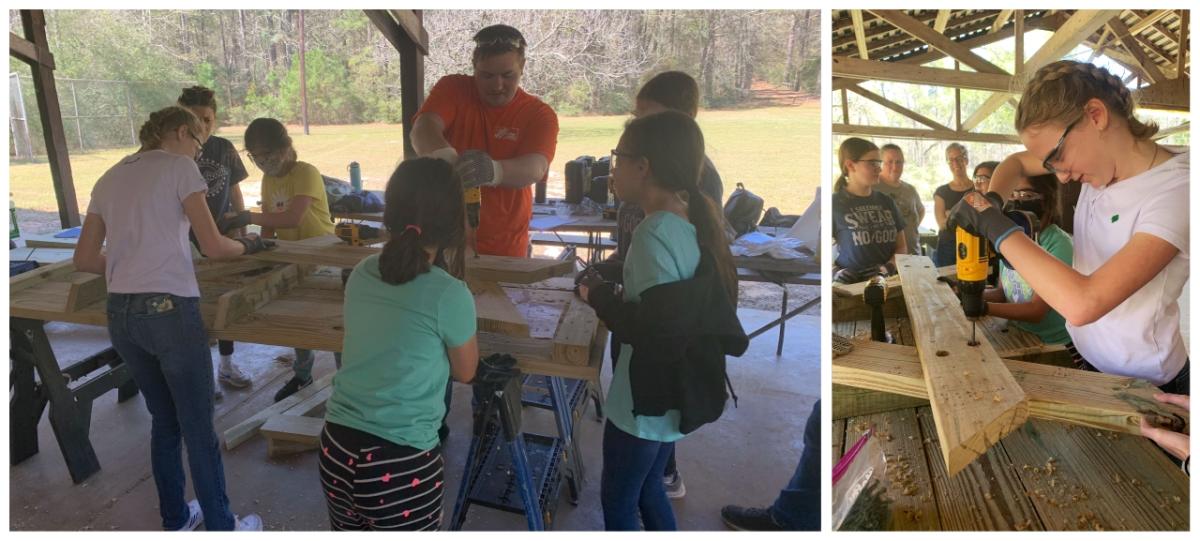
{"x": 860, "y": 486}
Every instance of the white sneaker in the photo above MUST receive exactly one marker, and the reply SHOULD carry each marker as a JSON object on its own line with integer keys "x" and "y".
{"x": 248, "y": 523}
{"x": 234, "y": 377}
{"x": 195, "y": 517}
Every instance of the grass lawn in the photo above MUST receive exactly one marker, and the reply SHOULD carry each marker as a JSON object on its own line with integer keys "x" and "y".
{"x": 773, "y": 150}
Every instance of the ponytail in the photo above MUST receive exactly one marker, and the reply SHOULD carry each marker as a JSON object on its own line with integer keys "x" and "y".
{"x": 710, "y": 235}
{"x": 403, "y": 258}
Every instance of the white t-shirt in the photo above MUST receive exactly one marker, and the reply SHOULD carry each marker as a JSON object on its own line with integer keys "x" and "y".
{"x": 1140, "y": 337}
{"x": 141, "y": 202}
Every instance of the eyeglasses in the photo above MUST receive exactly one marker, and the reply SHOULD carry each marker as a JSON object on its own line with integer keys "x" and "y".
{"x": 199, "y": 145}
{"x": 960, "y": 159}
{"x": 1053, "y": 155}
{"x": 262, "y": 156}
{"x": 612, "y": 160}
{"x": 983, "y": 178}
{"x": 878, "y": 164}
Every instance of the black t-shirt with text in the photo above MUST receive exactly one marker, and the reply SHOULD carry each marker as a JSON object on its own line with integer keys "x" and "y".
{"x": 865, "y": 229}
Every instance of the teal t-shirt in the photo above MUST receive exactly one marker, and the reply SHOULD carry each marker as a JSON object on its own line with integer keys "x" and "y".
{"x": 663, "y": 250}
{"x": 392, "y": 382}
{"x": 1052, "y": 329}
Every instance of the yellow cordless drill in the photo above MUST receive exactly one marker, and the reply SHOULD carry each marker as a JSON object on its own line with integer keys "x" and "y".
{"x": 972, "y": 255}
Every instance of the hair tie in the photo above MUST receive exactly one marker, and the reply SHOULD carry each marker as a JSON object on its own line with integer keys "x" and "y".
{"x": 413, "y": 228}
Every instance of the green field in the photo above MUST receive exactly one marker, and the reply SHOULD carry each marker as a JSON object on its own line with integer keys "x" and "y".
{"x": 773, "y": 150}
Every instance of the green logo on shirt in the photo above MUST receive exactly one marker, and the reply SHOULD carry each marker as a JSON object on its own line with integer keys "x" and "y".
{"x": 1115, "y": 217}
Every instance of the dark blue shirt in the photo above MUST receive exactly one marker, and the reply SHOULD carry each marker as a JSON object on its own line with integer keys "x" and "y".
{"x": 865, "y": 229}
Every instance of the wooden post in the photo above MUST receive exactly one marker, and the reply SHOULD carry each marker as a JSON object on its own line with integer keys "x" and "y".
{"x": 845, "y": 109}
{"x": 957, "y": 104}
{"x": 1181, "y": 56}
{"x": 303, "y": 79}
{"x": 34, "y": 23}
{"x": 412, "y": 87}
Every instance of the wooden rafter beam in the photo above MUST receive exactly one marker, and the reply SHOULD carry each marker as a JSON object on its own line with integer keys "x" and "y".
{"x": 1146, "y": 65}
{"x": 903, "y": 42}
{"x": 1090, "y": 399}
{"x": 1019, "y": 44}
{"x": 1169, "y": 95}
{"x": 943, "y": 17}
{"x": 29, "y": 53}
{"x": 896, "y": 107}
{"x": 935, "y": 39}
{"x": 872, "y": 31}
{"x": 933, "y": 54}
{"x": 1001, "y": 19}
{"x": 974, "y": 398}
{"x": 1148, "y": 21}
{"x": 859, "y": 33}
{"x": 924, "y": 135}
{"x": 854, "y": 68}
{"x": 1075, "y": 30}
{"x": 412, "y": 25}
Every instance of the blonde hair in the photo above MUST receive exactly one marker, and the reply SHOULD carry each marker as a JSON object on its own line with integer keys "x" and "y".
{"x": 1059, "y": 90}
{"x": 164, "y": 121}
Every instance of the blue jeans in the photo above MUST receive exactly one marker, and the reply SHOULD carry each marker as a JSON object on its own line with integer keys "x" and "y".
{"x": 162, "y": 340}
{"x": 632, "y": 482}
{"x": 799, "y": 504}
{"x": 304, "y": 362}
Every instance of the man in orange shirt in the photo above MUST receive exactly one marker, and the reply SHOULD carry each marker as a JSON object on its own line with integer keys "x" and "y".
{"x": 497, "y": 136}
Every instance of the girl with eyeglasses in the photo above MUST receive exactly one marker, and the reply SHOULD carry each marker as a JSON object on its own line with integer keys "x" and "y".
{"x": 675, "y": 319}
{"x": 294, "y": 207}
{"x": 1120, "y": 295}
{"x": 1014, "y": 300}
{"x": 948, "y": 195}
{"x": 867, "y": 226}
{"x": 144, "y": 207}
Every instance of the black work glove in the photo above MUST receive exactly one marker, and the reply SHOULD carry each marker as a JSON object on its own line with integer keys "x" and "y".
{"x": 476, "y": 169}
{"x": 233, "y": 220}
{"x": 980, "y": 214}
{"x": 590, "y": 279}
{"x": 254, "y": 244}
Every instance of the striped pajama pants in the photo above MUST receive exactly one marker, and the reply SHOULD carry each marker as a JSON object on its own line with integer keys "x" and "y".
{"x": 373, "y": 484}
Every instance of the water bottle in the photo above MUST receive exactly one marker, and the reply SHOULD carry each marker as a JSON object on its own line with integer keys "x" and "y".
{"x": 355, "y": 177}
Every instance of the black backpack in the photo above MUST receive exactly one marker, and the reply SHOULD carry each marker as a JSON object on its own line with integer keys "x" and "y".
{"x": 742, "y": 210}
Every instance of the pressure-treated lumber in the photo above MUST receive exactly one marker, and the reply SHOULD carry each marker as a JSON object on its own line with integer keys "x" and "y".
{"x": 573, "y": 338}
{"x": 330, "y": 251}
{"x": 494, "y": 311}
{"x": 244, "y": 430}
{"x": 1144, "y": 62}
{"x": 856, "y": 18}
{"x": 86, "y": 289}
{"x": 915, "y": 133}
{"x": 959, "y": 377}
{"x": 236, "y": 304}
{"x": 287, "y": 434}
{"x": 1090, "y": 399}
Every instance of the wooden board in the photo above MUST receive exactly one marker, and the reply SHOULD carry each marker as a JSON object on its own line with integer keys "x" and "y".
{"x": 289, "y": 434}
{"x": 311, "y": 404}
{"x": 239, "y": 303}
{"x": 573, "y": 337}
{"x": 1078, "y": 397}
{"x": 985, "y": 495}
{"x": 957, "y": 375}
{"x": 332, "y": 252}
{"x": 494, "y": 311}
{"x": 909, "y": 484}
{"x": 1080, "y": 479}
{"x": 238, "y": 434}
{"x": 86, "y": 289}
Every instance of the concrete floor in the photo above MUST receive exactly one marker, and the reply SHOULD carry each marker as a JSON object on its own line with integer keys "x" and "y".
{"x": 743, "y": 458}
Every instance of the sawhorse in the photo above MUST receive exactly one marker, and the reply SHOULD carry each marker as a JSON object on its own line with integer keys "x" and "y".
{"x": 536, "y": 464}
{"x": 37, "y": 380}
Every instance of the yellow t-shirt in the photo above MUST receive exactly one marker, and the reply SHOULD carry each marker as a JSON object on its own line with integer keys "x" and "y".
{"x": 303, "y": 179}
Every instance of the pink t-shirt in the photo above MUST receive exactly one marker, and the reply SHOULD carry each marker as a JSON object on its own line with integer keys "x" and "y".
{"x": 141, "y": 202}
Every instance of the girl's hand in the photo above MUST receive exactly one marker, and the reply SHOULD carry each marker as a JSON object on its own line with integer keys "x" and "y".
{"x": 1173, "y": 442}
{"x": 590, "y": 279}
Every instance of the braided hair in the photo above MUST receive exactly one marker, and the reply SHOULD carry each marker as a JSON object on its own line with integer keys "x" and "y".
{"x": 162, "y": 122}
{"x": 1059, "y": 90}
